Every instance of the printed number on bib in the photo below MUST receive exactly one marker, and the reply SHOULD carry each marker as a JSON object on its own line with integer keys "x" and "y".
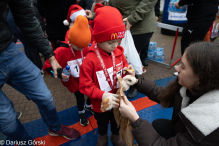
{"x": 104, "y": 85}
{"x": 75, "y": 69}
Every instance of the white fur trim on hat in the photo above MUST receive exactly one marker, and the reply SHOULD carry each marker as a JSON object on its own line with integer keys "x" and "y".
{"x": 66, "y": 23}
{"x": 75, "y": 14}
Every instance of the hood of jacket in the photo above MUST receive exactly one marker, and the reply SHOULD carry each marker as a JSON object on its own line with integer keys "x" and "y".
{"x": 203, "y": 113}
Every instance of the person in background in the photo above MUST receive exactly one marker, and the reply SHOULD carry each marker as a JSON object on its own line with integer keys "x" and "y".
{"x": 55, "y": 11}
{"x": 200, "y": 15}
{"x": 194, "y": 96}
{"x": 20, "y": 73}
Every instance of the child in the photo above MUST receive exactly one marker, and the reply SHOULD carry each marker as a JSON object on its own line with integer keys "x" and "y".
{"x": 73, "y": 12}
{"x": 72, "y": 53}
{"x": 103, "y": 64}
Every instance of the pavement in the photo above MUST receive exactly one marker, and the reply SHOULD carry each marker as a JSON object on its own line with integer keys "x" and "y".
{"x": 64, "y": 99}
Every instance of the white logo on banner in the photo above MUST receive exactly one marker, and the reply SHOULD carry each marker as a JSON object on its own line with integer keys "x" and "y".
{"x": 176, "y": 14}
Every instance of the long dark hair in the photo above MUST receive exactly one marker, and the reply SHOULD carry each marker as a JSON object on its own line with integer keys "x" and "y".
{"x": 203, "y": 57}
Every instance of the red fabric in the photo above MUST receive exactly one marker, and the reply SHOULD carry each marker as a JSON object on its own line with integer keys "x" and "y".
{"x": 72, "y": 9}
{"x": 108, "y": 24}
{"x": 62, "y": 55}
{"x": 89, "y": 84}
{"x": 91, "y": 23}
{"x": 210, "y": 29}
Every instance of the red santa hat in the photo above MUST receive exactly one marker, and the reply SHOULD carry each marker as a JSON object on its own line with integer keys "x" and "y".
{"x": 73, "y": 12}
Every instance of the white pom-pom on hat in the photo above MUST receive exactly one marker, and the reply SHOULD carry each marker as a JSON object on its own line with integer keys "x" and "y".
{"x": 66, "y": 23}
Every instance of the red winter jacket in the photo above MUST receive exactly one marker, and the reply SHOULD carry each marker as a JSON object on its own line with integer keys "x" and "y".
{"x": 64, "y": 55}
{"x": 92, "y": 79}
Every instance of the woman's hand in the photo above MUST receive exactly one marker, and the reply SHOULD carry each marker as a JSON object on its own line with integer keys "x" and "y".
{"x": 128, "y": 110}
{"x": 129, "y": 70}
{"x": 128, "y": 25}
{"x": 89, "y": 15}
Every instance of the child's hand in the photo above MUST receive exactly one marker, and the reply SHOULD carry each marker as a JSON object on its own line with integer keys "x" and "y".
{"x": 127, "y": 81}
{"x": 65, "y": 77}
{"x": 129, "y": 70}
{"x": 89, "y": 15}
{"x": 109, "y": 101}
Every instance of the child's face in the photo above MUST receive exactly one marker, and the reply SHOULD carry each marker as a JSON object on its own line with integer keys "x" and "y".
{"x": 109, "y": 46}
{"x": 77, "y": 48}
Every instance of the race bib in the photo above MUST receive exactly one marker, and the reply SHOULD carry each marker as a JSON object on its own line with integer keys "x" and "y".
{"x": 104, "y": 85}
{"x": 75, "y": 68}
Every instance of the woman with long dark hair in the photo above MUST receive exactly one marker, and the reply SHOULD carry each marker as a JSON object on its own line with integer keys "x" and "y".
{"x": 194, "y": 96}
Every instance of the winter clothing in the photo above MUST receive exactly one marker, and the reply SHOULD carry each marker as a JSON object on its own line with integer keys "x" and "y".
{"x": 102, "y": 140}
{"x": 38, "y": 16}
{"x": 194, "y": 123}
{"x": 55, "y": 11}
{"x": 29, "y": 26}
{"x": 140, "y": 14}
{"x": 103, "y": 121}
{"x": 117, "y": 140}
{"x": 157, "y": 8}
{"x": 73, "y": 12}
{"x": 200, "y": 15}
{"x": 112, "y": 28}
{"x": 193, "y": 32}
{"x": 91, "y": 74}
{"x": 64, "y": 56}
{"x": 80, "y": 100}
{"x": 79, "y": 34}
{"x": 200, "y": 11}
{"x": 86, "y": 4}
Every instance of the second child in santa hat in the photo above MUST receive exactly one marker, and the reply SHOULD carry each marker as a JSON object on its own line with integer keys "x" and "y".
{"x": 73, "y": 12}
{"x": 72, "y": 53}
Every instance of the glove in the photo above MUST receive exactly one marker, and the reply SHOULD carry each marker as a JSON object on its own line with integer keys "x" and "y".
{"x": 108, "y": 101}
{"x": 127, "y": 81}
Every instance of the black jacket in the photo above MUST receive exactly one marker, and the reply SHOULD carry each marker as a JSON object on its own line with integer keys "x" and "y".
{"x": 201, "y": 10}
{"x": 157, "y": 8}
{"x": 86, "y": 4}
{"x": 55, "y": 12}
{"x": 38, "y": 16}
{"x": 22, "y": 11}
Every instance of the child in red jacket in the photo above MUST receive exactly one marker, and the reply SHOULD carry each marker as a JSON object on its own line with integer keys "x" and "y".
{"x": 103, "y": 64}
{"x": 72, "y": 53}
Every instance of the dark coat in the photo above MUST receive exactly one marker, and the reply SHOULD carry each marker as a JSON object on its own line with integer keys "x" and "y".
{"x": 86, "y": 4}
{"x": 194, "y": 124}
{"x": 22, "y": 11}
{"x": 55, "y": 12}
{"x": 201, "y": 10}
{"x": 38, "y": 16}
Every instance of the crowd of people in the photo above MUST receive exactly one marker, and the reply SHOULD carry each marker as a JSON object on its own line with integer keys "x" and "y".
{"x": 85, "y": 35}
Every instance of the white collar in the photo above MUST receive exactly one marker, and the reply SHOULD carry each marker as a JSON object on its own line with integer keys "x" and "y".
{"x": 203, "y": 112}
